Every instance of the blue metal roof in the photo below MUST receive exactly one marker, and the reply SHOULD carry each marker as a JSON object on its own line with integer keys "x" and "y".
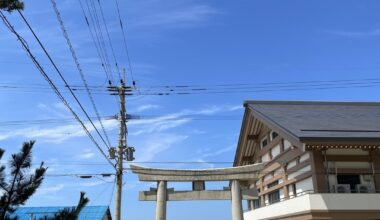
{"x": 87, "y": 213}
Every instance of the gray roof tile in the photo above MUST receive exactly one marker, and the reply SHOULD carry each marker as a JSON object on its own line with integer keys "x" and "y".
{"x": 322, "y": 120}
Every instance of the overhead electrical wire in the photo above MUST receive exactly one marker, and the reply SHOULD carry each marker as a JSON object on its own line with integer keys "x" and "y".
{"x": 96, "y": 22}
{"x": 47, "y": 78}
{"x": 141, "y": 117}
{"x": 62, "y": 77}
{"x": 45, "y": 121}
{"x": 83, "y": 78}
{"x": 227, "y": 88}
{"x": 100, "y": 193}
{"x": 96, "y": 41}
{"x": 109, "y": 39}
{"x": 126, "y": 45}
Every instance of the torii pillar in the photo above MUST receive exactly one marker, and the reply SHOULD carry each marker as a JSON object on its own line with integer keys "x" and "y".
{"x": 161, "y": 200}
{"x": 198, "y": 177}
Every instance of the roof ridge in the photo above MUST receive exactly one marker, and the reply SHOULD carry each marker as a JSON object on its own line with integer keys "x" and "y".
{"x": 311, "y": 102}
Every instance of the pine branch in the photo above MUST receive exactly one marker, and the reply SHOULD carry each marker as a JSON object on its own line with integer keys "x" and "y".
{"x": 22, "y": 185}
{"x": 11, "y": 5}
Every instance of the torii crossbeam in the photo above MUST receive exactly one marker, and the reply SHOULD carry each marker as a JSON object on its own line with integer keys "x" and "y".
{"x": 198, "y": 177}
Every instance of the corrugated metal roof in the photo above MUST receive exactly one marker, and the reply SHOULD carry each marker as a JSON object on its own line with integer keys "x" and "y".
{"x": 322, "y": 120}
{"x": 87, "y": 213}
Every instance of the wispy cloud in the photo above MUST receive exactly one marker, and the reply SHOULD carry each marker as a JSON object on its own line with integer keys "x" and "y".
{"x": 147, "y": 107}
{"x": 56, "y": 134}
{"x": 158, "y": 144}
{"x": 220, "y": 151}
{"x": 178, "y": 17}
{"x": 86, "y": 154}
{"x": 236, "y": 107}
{"x": 47, "y": 190}
{"x": 356, "y": 34}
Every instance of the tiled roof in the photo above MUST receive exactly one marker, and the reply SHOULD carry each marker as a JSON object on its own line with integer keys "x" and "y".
{"x": 322, "y": 120}
{"x": 87, "y": 213}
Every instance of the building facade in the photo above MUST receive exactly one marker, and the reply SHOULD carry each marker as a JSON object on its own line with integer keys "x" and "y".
{"x": 322, "y": 159}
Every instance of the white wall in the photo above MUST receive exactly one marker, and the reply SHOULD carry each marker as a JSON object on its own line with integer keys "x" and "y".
{"x": 304, "y": 186}
{"x": 265, "y": 158}
{"x": 307, "y": 202}
{"x": 287, "y": 144}
{"x": 305, "y": 157}
{"x": 299, "y": 172}
{"x": 276, "y": 150}
{"x": 292, "y": 164}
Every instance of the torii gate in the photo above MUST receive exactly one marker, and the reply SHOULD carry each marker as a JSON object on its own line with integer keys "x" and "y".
{"x": 198, "y": 177}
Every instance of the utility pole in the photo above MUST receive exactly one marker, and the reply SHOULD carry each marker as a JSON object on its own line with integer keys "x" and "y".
{"x": 123, "y": 151}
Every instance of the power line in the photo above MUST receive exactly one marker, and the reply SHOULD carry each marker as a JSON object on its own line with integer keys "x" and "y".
{"x": 107, "y": 186}
{"x": 109, "y": 39}
{"x": 73, "y": 54}
{"x": 141, "y": 117}
{"x": 46, "y": 121}
{"x": 96, "y": 43}
{"x": 61, "y": 76}
{"x": 47, "y": 78}
{"x": 80, "y": 175}
{"x": 125, "y": 42}
{"x": 215, "y": 89}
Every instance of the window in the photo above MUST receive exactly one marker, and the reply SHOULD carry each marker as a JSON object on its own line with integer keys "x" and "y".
{"x": 275, "y": 183}
{"x": 352, "y": 180}
{"x": 294, "y": 190}
{"x": 264, "y": 142}
{"x": 273, "y": 135}
{"x": 256, "y": 203}
{"x": 274, "y": 197}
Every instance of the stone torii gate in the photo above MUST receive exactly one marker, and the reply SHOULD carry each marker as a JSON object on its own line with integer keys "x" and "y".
{"x": 162, "y": 194}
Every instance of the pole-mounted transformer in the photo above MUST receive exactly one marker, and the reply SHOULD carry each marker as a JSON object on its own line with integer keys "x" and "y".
{"x": 129, "y": 151}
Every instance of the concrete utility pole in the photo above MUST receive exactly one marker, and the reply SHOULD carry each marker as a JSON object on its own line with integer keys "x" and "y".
{"x": 122, "y": 148}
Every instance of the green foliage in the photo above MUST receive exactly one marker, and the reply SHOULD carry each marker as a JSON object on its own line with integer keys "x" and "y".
{"x": 71, "y": 213}
{"x": 20, "y": 184}
{"x": 11, "y": 5}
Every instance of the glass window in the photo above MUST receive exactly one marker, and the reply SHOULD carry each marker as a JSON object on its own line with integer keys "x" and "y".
{"x": 274, "y": 197}
{"x": 351, "y": 179}
{"x": 273, "y": 184}
{"x": 273, "y": 135}
{"x": 264, "y": 142}
{"x": 256, "y": 203}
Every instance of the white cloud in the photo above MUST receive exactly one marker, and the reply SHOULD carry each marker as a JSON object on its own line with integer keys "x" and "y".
{"x": 46, "y": 190}
{"x": 178, "y": 17}
{"x": 170, "y": 121}
{"x": 220, "y": 151}
{"x": 158, "y": 144}
{"x": 85, "y": 154}
{"x": 234, "y": 108}
{"x": 147, "y": 107}
{"x": 92, "y": 183}
{"x": 56, "y": 134}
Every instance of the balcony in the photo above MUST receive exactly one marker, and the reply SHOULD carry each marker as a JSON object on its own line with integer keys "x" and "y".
{"x": 321, "y": 204}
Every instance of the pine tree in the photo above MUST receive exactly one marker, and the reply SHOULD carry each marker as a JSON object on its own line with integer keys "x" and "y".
{"x": 19, "y": 185}
{"x": 72, "y": 213}
{"x": 11, "y": 5}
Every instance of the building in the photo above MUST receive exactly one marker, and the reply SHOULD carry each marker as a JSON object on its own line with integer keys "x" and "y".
{"x": 87, "y": 213}
{"x": 322, "y": 159}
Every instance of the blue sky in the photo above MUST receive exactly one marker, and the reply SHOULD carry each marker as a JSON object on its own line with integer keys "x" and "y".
{"x": 187, "y": 42}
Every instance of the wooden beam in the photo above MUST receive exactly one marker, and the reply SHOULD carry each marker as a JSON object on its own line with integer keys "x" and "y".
{"x": 348, "y": 158}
